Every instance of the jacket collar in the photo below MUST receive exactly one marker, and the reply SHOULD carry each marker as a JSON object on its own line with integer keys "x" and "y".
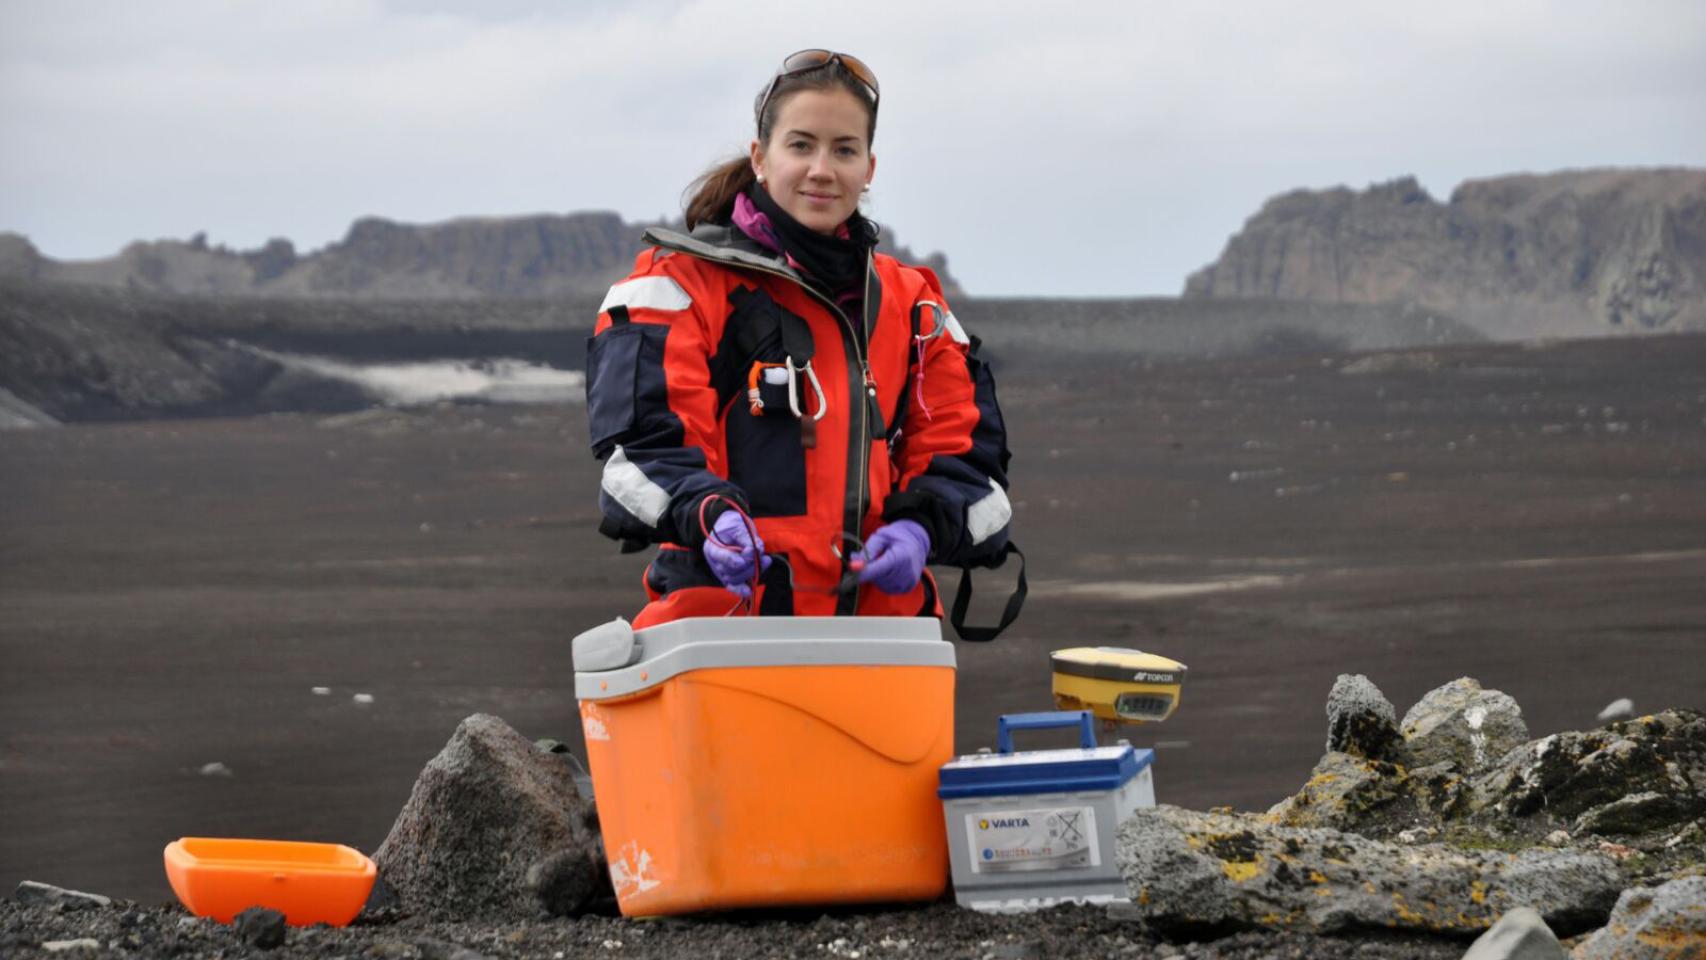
{"x": 724, "y": 244}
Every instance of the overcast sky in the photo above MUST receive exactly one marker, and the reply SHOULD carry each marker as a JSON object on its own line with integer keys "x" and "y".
{"x": 1078, "y": 149}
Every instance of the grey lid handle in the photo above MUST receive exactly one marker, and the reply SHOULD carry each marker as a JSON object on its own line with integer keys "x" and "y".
{"x": 608, "y": 646}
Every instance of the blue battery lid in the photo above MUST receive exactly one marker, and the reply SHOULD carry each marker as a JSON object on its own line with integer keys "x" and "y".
{"x": 1041, "y": 771}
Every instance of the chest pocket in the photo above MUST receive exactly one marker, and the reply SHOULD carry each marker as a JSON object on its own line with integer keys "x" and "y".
{"x": 766, "y": 455}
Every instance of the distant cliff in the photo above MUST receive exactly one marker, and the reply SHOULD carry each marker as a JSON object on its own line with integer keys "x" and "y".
{"x": 1578, "y": 253}
{"x": 534, "y": 257}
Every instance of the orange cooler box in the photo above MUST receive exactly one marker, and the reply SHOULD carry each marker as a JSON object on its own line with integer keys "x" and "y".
{"x": 767, "y": 761}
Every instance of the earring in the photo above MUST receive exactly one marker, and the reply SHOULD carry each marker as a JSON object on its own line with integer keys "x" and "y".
{"x": 761, "y": 180}
{"x": 865, "y": 189}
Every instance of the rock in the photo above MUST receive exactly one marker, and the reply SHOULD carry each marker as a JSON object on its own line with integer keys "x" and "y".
{"x": 483, "y": 811}
{"x": 1649, "y": 923}
{"x": 261, "y": 927}
{"x": 35, "y": 893}
{"x": 60, "y": 946}
{"x": 1204, "y": 873}
{"x": 215, "y": 769}
{"x": 1519, "y": 935}
{"x": 1372, "y": 797}
{"x": 1463, "y": 724}
{"x": 1602, "y": 777}
{"x": 1621, "y": 709}
{"x": 1634, "y": 814}
{"x": 566, "y": 881}
{"x": 1360, "y": 720}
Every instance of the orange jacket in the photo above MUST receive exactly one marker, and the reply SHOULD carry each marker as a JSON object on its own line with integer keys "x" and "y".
{"x": 687, "y": 397}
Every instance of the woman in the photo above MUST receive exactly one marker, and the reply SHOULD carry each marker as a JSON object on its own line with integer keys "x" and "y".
{"x": 799, "y": 422}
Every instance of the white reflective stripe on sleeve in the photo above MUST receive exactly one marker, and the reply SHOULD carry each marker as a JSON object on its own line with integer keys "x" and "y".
{"x": 655, "y": 293}
{"x": 986, "y": 517}
{"x": 955, "y": 330}
{"x": 635, "y": 491}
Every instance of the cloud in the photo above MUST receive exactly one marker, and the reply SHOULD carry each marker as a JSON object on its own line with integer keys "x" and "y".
{"x": 1101, "y": 148}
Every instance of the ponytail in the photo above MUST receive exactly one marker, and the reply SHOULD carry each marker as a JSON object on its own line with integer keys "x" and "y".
{"x": 714, "y": 193}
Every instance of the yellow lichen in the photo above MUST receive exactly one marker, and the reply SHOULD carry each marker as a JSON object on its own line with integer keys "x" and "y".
{"x": 1239, "y": 871}
{"x": 1405, "y": 913}
{"x": 1673, "y": 942}
{"x": 1478, "y": 892}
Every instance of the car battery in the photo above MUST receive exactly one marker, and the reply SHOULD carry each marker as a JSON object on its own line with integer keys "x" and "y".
{"x": 1035, "y": 828}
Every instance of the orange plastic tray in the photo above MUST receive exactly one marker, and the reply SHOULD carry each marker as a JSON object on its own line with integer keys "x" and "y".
{"x": 307, "y": 882}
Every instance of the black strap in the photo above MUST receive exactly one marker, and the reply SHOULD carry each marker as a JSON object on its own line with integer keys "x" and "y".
{"x": 618, "y": 315}
{"x": 962, "y": 602}
{"x": 797, "y": 340}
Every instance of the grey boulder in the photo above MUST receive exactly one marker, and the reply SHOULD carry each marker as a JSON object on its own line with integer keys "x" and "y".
{"x": 1360, "y": 720}
{"x": 483, "y": 812}
{"x": 1519, "y": 935}
{"x": 1196, "y": 873}
{"x": 1463, "y": 724}
{"x": 1666, "y": 922}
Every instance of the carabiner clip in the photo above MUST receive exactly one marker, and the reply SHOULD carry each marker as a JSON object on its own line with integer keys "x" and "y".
{"x": 793, "y": 390}
{"x": 936, "y": 329}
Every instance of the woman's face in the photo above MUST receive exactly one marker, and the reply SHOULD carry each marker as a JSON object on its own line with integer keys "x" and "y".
{"x": 817, "y": 161}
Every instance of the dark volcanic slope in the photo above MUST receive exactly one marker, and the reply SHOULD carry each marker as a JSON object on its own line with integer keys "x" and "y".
{"x": 170, "y": 591}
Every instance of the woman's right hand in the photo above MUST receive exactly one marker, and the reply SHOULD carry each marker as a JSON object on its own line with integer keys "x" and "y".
{"x": 734, "y": 550}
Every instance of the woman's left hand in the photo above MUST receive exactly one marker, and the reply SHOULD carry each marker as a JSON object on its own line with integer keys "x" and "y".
{"x": 894, "y": 556}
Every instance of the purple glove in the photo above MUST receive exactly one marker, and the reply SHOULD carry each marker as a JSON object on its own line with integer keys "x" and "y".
{"x": 894, "y": 556}
{"x": 733, "y": 557}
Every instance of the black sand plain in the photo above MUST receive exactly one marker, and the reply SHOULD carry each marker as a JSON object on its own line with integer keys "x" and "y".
{"x": 1532, "y": 515}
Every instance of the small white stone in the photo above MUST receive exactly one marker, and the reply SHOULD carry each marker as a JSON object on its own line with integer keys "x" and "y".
{"x": 216, "y": 769}
{"x": 86, "y": 943}
{"x": 362, "y": 699}
{"x": 1619, "y": 709}
{"x": 320, "y": 691}
{"x": 1557, "y": 838}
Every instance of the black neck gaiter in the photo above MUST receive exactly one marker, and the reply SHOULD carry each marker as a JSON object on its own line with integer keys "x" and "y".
{"x": 836, "y": 263}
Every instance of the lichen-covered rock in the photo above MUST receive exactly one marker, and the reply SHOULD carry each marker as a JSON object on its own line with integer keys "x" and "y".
{"x": 1360, "y": 720}
{"x": 1463, "y": 724}
{"x": 1519, "y": 935}
{"x": 1372, "y": 797}
{"x": 1630, "y": 778}
{"x": 1667, "y": 922}
{"x": 1192, "y": 873}
{"x": 482, "y": 812}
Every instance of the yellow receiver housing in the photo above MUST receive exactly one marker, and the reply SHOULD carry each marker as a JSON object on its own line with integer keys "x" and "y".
{"x": 1116, "y": 684}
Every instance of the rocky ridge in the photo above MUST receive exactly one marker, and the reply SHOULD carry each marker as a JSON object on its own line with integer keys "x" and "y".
{"x": 525, "y": 257}
{"x": 1576, "y": 253}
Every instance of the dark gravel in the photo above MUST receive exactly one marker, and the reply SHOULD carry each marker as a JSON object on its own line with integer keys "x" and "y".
{"x": 939, "y": 930}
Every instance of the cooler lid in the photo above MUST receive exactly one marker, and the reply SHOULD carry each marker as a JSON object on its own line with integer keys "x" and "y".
{"x": 701, "y": 643}
{"x": 1042, "y": 771}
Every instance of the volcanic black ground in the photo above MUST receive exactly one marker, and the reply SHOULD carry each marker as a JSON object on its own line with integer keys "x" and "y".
{"x": 170, "y": 592}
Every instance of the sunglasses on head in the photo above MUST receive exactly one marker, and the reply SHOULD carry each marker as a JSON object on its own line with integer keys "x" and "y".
{"x": 805, "y": 61}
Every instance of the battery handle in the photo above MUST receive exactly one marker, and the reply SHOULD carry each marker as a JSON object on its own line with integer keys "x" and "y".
{"x": 1046, "y": 720}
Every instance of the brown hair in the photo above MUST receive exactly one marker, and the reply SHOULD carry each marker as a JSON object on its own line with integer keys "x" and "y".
{"x": 713, "y": 193}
